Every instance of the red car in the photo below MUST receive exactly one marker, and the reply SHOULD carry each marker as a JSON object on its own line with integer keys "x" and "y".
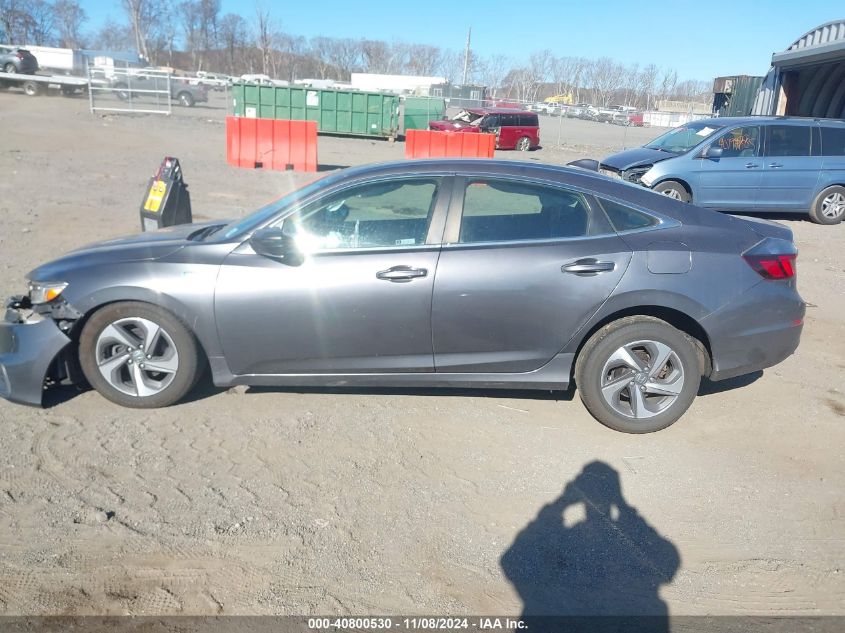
{"x": 514, "y": 129}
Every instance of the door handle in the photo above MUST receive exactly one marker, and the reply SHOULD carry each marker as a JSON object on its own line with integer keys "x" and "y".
{"x": 401, "y": 273}
{"x": 751, "y": 165}
{"x": 775, "y": 165}
{"x": 587, "y": 267}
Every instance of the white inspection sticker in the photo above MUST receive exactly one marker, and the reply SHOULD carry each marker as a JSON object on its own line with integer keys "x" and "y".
{"x": 705, "y": 131}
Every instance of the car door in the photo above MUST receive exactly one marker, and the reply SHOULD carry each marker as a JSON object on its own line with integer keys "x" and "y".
{"x": 507, "y": 131}
{"x": 359, "y": 300}
{"x": 524, "y": 267}
{"x": 731, "y": 181}
{"x": 790, "y": 170}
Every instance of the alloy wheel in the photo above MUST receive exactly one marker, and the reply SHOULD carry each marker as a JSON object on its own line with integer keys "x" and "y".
{"x": 833, "y": 206}
{"x": 672, "y": 193}
{"x": 642, "y": 379}
{"x": 137, "y": 356}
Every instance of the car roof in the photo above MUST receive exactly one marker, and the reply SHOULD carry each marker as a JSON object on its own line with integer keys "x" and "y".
{"x": 499, "y": 111}
{"x": 739, "y": 120}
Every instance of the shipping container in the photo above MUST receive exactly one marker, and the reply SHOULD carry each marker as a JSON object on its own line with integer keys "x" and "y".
{"x": 345, "y": 112}
{"x": 418, "y": 111}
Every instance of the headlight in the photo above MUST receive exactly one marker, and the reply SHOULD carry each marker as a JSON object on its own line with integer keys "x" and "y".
{"x": 647, "y": 179}
{"x": 635, "y": 174}
{"x": 45, "y": 291}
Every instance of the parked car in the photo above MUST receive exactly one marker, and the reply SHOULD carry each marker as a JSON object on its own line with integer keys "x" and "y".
{"x": 628, "y": 118}
{"x": 514, "y": 129}
{"x": 437, "y": 273}
{"x": 781, "y": 164}
{"x": 181, "y": 90}
{"x": 17, "y": 60}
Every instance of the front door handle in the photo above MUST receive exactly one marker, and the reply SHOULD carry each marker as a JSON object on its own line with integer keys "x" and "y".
{"x": 401, "y": 273}
{"x": 751, "y": 165}
{"x": 775, "y": 165}
{"x": 587, "y": 267}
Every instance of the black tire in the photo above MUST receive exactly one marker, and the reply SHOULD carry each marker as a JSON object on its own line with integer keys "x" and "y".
{"x": 185, "y": 376}
{"x": 68, "y": 91}
{"x": 122, "y": 91}
{"x": 595, "y": 357}
{"x": 10, "y": 68}
{"x": 185, "y": 99}
{"x": 673, "y": 189}
{"x": 824, "y": 211}
{"x": 523, "y": 144}
{"x": 31, "y": 88}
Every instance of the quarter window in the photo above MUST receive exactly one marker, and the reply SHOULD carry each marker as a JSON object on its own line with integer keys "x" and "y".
{"x": 380, "y": 214}
{"x": 833, "y": 141}
{"x": 500, "y": 211}
{"x": 625, "y": 218}
{"x": 789, "y": 140}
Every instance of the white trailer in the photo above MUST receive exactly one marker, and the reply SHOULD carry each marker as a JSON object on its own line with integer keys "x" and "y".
{"x": 33, "y": 85}
{"x": 65, "y": 61}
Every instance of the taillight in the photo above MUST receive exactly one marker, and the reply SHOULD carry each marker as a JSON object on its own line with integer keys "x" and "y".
{"x": 772, "y": 266}
{"x": 20, "y": 55}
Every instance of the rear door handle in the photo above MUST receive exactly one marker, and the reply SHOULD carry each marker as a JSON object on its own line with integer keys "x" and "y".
{"x": 587, "y": 267}
{"x": 775, "y": 165}
{"x": 401, "y": 273}
{"x": 751, "y": 165}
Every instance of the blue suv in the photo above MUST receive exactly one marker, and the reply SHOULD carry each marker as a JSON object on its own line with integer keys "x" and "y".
{"x": 780, "y": 164}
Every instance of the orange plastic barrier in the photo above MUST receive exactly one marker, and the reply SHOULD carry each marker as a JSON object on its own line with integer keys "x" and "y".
{"x": 275, "y": 143}
{"x": 436, "y": 144}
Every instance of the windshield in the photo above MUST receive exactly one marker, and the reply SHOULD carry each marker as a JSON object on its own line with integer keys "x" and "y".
{"x": 683, "y": 138}
{"x": 268, "y": 211}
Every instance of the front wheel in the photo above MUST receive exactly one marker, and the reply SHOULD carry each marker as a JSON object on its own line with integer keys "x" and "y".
{"x": 674, "y": 190}
{"x": 523, "y": 144}
{"x": 138, "y": 355}
{"x": 829, "y": 206}
{"x": 638, "y": 374}
{"x": 186, "y": 99}
{"x": 31, "y": 88}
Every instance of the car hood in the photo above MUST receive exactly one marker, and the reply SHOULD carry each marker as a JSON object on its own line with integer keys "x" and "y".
{"x": 140, "y": 247}
{"x": 635, "y": 158}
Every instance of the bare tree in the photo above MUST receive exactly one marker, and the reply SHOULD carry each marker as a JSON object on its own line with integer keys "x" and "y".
{"x": 647, "y": 85}
{"x": 422, "y": 59}
{"x": 263, "y": 36}
{"x": 668, "y": 81}
{"x": 113, "y": 36}
{"x": 451, "y": 65}
{"x": 189, "y": 17}
{"x": 604, "y": 76}
{"x": 69, "y": 17}
{"x": 139, "y": 14}
{"x": 233, "y": 36}
{"x": 345, "y": 55}
{"x": 491, "y": 72}
{"x": 39, "y": 23}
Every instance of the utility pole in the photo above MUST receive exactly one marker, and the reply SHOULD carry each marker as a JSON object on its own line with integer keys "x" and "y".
{"x": 466, "y": 56}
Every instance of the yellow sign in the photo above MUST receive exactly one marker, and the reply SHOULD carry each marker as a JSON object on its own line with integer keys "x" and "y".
{"x": 156, "y": 195}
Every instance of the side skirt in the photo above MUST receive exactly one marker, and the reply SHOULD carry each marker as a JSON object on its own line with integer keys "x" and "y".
{"x": 554, "y": 375}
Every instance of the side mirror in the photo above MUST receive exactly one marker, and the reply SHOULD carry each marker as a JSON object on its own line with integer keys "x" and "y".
{"x": 713, "y": 152}
{"x": 272, "y": 242}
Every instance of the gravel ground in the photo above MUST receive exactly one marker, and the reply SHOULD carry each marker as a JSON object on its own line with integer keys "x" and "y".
{"x": 297, "y": 501}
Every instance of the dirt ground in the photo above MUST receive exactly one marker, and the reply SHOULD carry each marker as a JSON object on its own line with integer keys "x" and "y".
{"x": 293, "y": 501}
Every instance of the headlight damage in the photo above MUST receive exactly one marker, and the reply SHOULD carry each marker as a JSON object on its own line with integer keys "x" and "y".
{"x": 45, "y": 291}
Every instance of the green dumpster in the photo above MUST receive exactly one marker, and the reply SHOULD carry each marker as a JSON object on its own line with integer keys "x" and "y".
{"x": 335, "y": 111}
{"x": 420, "y": 110}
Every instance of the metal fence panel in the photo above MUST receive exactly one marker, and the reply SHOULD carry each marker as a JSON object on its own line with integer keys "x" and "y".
{"x": 128, "y": 89}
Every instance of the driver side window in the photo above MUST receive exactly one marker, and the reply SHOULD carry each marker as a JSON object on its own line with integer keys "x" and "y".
{"x": 377, "y": 214}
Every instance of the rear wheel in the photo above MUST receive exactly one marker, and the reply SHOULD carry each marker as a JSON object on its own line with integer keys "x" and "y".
{"x": 829, "y": 206}
{"x": 638, "y": 374}
{"x": 138, "y": 355}
{"x": 674, "y": 190}
{"x": 10, "y": 68}
{"x": 122, "y": 91}
{"x": 523, "y": 144}
{"x": 31, "y": 88}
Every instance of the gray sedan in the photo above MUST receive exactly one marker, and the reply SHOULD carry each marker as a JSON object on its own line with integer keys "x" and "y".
{"x": 440, "y": 273}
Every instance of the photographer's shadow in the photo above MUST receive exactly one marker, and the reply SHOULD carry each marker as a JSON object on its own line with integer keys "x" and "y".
{"x": 589, "y": 553}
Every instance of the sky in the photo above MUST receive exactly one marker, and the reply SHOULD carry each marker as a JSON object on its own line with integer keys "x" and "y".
{"x": 700, "y": 39}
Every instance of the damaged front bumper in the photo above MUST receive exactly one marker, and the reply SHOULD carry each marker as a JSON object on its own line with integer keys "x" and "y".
{"x": 28, "y": 346}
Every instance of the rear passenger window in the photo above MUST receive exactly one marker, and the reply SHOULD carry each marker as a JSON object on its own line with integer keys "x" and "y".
{"x": 500, "y": 211}
{"x": 528, "y": 120}
{"x": 507, "y": 120}
{"x": 789, "y": 140}
{"x": 625, "y": 218}
{"x": 833, "y": 141}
